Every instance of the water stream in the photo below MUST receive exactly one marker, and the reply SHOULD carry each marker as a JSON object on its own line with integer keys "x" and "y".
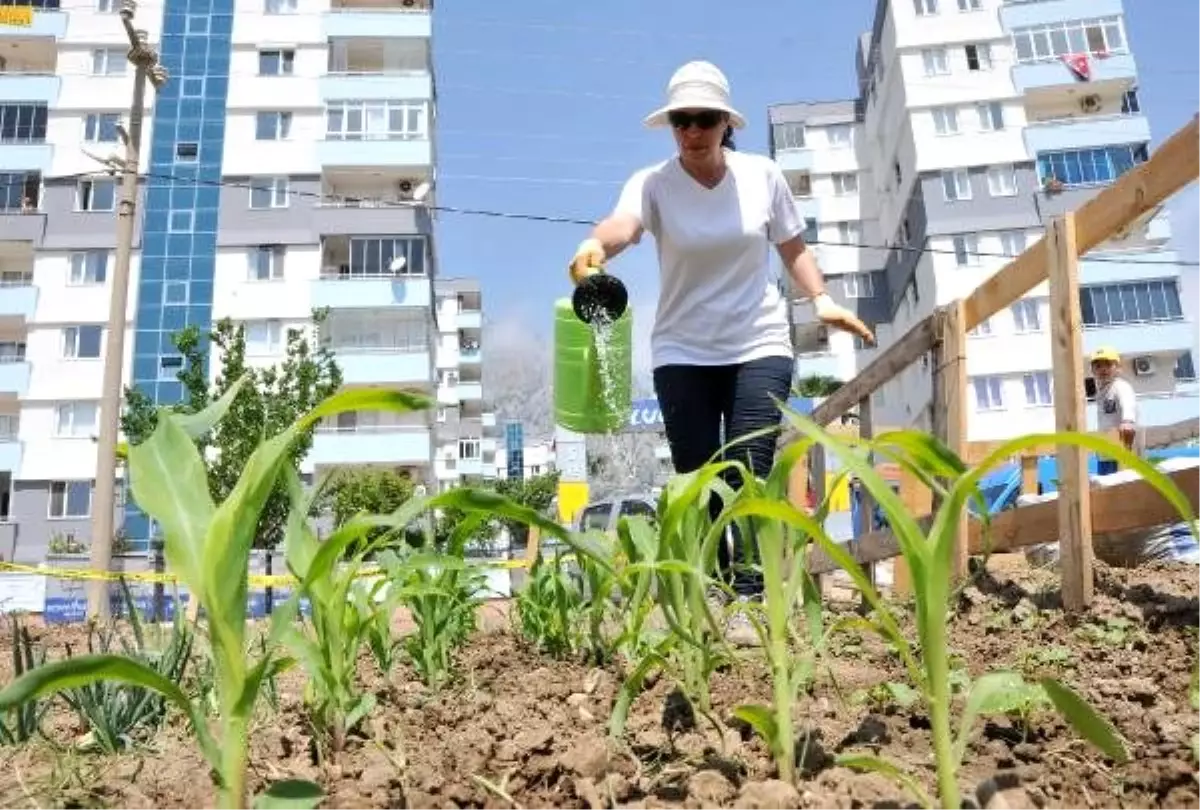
{"x": 619, "y": 445}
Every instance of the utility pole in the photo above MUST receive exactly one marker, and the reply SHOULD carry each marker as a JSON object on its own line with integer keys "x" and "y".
{"x": 145, "y": 61}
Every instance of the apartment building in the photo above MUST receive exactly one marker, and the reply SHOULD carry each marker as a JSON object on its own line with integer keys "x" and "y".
{"x": 288, "y": 166}
{"x": 976, "y": 121}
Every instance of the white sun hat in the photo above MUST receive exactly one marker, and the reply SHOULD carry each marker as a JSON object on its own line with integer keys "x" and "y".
{"x": 696, "y": 85}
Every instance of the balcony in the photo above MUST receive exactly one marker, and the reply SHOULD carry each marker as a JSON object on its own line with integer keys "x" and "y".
{"x": 401, "y": 156}
{"x": 1054, "y": 73}
{"x": 21, "y": 225}
{"x": 1136, "y": 339}
{"x": 470, "y": 466}
{"x": 470, "y": 355}
{"x": 488, "y": 420}
{"x": 381, "y": 69}
{"x": 377, "y": 18}
{"x": 1086, "y": 132}
{"x": 447, "y": 394}
{"x": 26, "y": 156}
{"x": 1025, "y": 13}
{"x": 32, "y": 86}
{"x": 364, "y": 292}
{"x": 373, "y": 273}
{"x": 396, "y": 446}
{"x": 470, "y": 319}
{"x": 1124, "y": 266}
{"x": 470, "y": 391}
{"x": 18, "y": 298}
{"x": 10, "y": 454}
{"x": 356, "y": 203}
{"x": 47, "y": 22}
{"x": 795, "y": 160}
{"x": 14, "y": 377}
{"x": 392, "y": 366}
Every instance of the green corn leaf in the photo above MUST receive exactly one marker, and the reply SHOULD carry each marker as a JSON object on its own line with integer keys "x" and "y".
{"x": 361, "y": 709}
{"x": 1090, "y": 724}
{"x": 991, "y": 693}
{"x": 85, "y": 670}
{"x": 290, "y": 794}
{"x": 865, "y": 762}
{"x": 762, "y": 720}
{"x": 169, "y": 482}
{"x": 196, "y": 425}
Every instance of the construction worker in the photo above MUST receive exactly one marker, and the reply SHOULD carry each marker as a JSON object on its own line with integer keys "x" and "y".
{"x": 1116, "y": 404}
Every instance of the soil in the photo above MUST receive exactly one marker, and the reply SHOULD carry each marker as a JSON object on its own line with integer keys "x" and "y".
{"x": 520, "y": 729}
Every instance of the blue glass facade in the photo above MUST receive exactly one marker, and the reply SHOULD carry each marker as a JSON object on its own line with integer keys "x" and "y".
{"x": 514, "y": 438}
{"x": 179, "y": 242}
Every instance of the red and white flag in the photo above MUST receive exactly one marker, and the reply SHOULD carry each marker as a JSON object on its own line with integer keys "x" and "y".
{"x": 1079, "y": 65}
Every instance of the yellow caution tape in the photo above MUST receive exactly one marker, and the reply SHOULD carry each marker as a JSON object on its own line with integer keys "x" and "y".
{"x": 16, "y": 16}
{"x": 255, "y": 580}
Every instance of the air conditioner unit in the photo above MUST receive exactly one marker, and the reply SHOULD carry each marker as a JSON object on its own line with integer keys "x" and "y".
{"x": 1143, "y": 366}
{"x": 1090, "y": 103}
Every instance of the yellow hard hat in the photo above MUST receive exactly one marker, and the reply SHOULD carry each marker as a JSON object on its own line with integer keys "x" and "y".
{"x": 1106, "y": 353}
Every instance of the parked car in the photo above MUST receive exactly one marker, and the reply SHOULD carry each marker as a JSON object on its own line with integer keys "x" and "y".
{"x": 605, "y": 514}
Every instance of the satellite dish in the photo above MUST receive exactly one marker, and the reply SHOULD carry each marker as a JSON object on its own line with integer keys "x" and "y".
{"x": 397, "y": 264}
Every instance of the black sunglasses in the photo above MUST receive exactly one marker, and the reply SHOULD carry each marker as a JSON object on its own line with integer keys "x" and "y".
{"x": 705, "y": 119}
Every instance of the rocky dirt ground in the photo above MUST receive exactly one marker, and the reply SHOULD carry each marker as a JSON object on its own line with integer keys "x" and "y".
{"x": 521, "y": 730}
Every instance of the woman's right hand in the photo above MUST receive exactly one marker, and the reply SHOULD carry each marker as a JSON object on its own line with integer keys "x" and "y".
{"x": 589, "y": 259}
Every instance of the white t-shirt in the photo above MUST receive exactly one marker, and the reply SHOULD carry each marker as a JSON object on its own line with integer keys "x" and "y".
{"x": 1116, "y": 403}
{"x": 718, "y": 304}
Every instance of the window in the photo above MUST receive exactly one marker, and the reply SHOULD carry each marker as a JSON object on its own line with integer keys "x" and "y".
{"x": 374, "y": 257}
{"x": 926, "y": 7}
{"x": 180, "y": 221}
{"x": 945, "y": 120}
{"x": 23, "y": 122}
{"x": 1027, "y": 315}
{"x": 1012, "y": 243}
{"x": 266, "y": 263}
{"x": 1044, "y": 43}
{"x": 1185, "y": 368}
{"x": 935, "y": 61}
{"x": 96, "y": 195}
{"x": 106, "y": 6}
{"x": 82, "y": 342}
{"x": 108, "y": 62}
{"x": 991, "y": 116}
{"x": 88, "y": 267}
{"x": 859, "y": 285}
{"x": 371, "y": 120}
{"x": 970, "y": 5}
{"x": 848, "y": 233}
{"x": 276, "y": 63}
{"x": 279, "y": 6}
{"x": 1089, "y": 167}
{"x": 192, "y": 88}
{"x": 1037, "y": 388}
{"x": 468, "y": 448}
{"x": 101, "y": 127}
{"x": 187, "y": 152}
{"x": 988, "y": 393}
{"x": 20, "y": 191}
{"x": 956, "y": 184}
{"x": 800, "y": 184}
{"x": 983, "y": 330}
{"x": 175, "y": 292}
{"x": 979, "y": 57}
{"x": 810, "y": 229}
{"x": 264, "y": 337}
{"x": 169, "y": 368}
{"x": 70, "y": 499}
{"x": 1129, "y": 102}
{"x": 269, "y": 192}
{"x": 845, "y": 183}
{"x": 272, "y": 126}
{"x": 1002, "y": 181}
{"x": 966, "y": 249}
{"x": 840, "y": 135}
{"x": 787, "y": 136}
{"x": 10, "y": 427}
{"x": 1130, "y": 302}
{"x": 76, "y": 420}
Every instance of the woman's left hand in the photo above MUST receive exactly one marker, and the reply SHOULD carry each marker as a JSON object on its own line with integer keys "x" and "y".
{"x": 830, "y": 313}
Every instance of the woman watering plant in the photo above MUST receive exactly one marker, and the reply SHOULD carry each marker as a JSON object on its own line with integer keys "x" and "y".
{"x": 721, "y": 345}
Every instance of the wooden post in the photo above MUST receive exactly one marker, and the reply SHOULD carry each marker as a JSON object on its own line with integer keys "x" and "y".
{"x": 1029, "y": 475}
{"x": 1066, "y": 349}
{"x": 816, "y": 473}
{"x": 918, "y": 500}
{"x": 866, "y": 507}
{"x": 949, "y": 403}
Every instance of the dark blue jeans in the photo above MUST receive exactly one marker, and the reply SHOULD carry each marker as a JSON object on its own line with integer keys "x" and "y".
{"x": 696, "y": 401}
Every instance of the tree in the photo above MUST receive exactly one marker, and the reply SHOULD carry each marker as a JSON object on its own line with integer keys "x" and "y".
{"x": 817, "y": 385}
{"x": 271, "y": 400}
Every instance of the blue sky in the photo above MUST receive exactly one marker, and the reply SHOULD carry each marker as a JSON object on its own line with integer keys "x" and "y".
{"x": 550, "y": 95}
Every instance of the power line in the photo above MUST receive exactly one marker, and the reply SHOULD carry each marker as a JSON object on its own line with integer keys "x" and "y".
{"x": 348, "y": 201}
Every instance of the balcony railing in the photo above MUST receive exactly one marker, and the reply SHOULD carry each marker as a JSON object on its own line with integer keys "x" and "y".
{"x": 335, "y": 273}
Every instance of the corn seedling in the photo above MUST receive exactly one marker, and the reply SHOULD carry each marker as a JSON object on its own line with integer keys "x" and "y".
{"x": 376, "y": 604}
{"x": 25, "y": 718}
{"x": 929, "y": 559}
{"x": 119, "y": 714}
{"x": 208, "y": 547}
{"x": 548, "y": 607}
{"x": 339, "y": 628}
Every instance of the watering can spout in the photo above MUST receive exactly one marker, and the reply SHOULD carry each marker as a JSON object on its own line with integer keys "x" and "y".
{"x": 600, "y": 298}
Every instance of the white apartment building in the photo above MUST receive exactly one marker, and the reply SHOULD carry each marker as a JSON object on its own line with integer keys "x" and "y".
{"x": 976, "y": 121}
{"x": 289, "y": 163}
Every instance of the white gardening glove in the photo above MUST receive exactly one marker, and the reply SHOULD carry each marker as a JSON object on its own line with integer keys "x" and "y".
{"x": 831, "y": 313}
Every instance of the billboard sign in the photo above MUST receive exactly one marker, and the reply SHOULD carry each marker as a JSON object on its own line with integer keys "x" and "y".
{"x": 645, "y": 415}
